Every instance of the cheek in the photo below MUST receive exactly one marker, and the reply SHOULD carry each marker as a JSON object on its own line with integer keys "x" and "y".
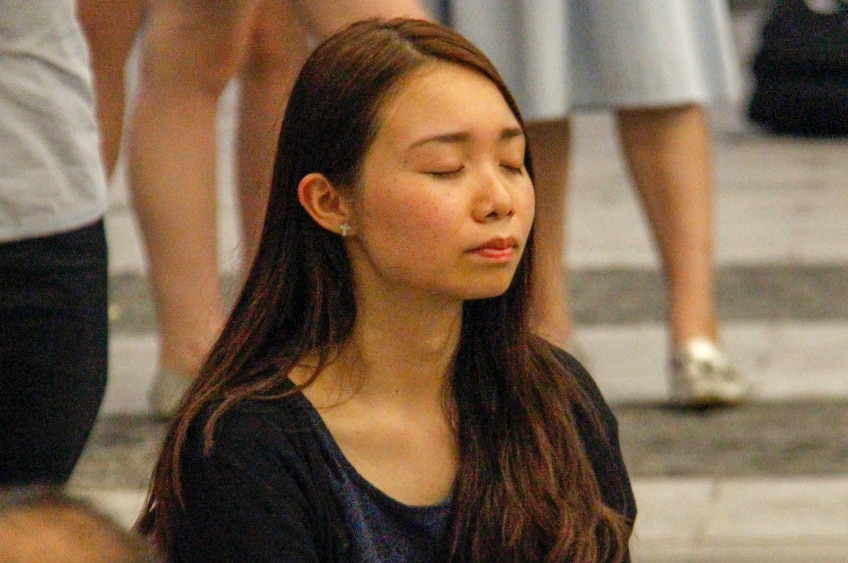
{"x": 435, "y": 221}
{"x": 525, "y": 206}
{"x": 415, "y": 218}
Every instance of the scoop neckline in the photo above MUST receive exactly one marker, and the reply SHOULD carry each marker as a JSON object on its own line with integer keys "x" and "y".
{"x": 338, "y": 454}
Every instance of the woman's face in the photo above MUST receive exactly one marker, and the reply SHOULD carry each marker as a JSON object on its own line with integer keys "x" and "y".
{"x": 444, "y": 205}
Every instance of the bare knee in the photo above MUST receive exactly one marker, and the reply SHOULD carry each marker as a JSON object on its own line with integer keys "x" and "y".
{"x": 195, "y": 45}
{"x": 278, "y": 43}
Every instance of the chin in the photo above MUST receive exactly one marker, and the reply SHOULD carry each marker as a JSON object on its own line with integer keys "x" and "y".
{"x": 486, "y": 292}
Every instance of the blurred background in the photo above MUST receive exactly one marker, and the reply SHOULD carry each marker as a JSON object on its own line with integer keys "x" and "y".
{"x": 764, "y": 482}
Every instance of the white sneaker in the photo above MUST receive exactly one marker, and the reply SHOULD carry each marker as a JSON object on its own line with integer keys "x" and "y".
{"x": 702, "y": 377}
{"x": 167, "y": 392}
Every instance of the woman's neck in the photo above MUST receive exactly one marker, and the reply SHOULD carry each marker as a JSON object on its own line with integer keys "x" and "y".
{"x": 395, "y": 354}
{"x": 403, "y": 351}
{"x": 383, "y": 400}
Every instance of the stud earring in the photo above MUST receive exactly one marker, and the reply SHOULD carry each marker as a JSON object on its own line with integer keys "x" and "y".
{"x": 345, "y": 228}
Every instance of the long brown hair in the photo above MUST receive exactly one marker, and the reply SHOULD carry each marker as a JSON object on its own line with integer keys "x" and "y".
{"x": 525, "y": 489}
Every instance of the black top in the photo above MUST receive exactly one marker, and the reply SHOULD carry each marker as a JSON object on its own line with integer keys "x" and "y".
{"x": 276, "y": 487}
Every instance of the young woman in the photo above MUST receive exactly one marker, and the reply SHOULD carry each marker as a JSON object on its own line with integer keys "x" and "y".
{"x": 376, "y": 394}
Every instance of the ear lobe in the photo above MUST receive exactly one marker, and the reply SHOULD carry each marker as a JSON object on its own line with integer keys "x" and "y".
{"x": 320, "y": 198}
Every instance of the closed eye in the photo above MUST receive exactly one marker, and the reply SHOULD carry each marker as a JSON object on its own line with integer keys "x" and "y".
{"x": 513, "y": 169}
{"x": 445, "y": 174}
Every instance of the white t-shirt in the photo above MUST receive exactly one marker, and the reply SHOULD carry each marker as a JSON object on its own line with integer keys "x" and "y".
{"x": 51, "y": 175}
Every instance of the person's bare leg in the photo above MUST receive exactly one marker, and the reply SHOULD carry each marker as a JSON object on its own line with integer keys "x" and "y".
{"x": 111, "y": 27}
{"x": 277, "y": 50}
{"x": 550, "y": 143}
{"x": 669, "y": 156}
{"x": 191, "y": 50}
{"x": 325, "y": 17}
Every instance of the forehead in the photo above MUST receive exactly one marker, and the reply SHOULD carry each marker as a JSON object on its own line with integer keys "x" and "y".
{"x": 444, "y": 94}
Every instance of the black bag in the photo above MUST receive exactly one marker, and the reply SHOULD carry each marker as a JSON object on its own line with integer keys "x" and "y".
{"x": 801, "y": 69}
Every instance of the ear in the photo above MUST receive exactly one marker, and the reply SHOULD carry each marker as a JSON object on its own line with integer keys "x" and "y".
{"x": 327, "y": 207}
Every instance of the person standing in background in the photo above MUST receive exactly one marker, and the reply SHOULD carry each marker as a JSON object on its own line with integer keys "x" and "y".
{"x": 53, "y": 255}
{"x": 655, "y": 63}
{"x": 277, "y": 47}
{"x": 191, "y": 50}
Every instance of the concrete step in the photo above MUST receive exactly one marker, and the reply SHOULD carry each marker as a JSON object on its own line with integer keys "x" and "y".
{"x": 775, "y": 439}
{"x": 785, "y": 326}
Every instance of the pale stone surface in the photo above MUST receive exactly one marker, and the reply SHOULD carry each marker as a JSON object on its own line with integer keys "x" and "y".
{"x": 122, "y": 505}
{"x": 811, "y": 511}
{"x": 747, "y": 520}
{"x": 784, "y": 361}
{"x": 132, "y": 365}
{"x": 671, "y": 511}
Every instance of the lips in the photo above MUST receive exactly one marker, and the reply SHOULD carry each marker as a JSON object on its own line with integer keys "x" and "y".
{"x": 498, "y": 250}
{"x": 498, "y": 243}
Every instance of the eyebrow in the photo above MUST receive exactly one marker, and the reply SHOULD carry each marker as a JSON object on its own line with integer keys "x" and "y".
{"x": 507, "y": 134}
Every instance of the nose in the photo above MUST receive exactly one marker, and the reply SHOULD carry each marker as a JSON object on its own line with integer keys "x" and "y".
{"x": 495, "y": 197}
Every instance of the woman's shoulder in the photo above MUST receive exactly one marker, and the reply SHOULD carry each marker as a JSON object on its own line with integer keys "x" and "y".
{"x": 598, "y": 429}
{"x": 260, "y": 464}
{"x": 574, "y": 369}
{"x": 278, "y": 427}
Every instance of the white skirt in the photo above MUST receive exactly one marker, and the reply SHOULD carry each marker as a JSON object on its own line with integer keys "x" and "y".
{"x": 560, "y": 55}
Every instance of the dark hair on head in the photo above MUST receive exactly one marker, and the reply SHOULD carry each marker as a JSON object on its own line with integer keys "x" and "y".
{"x": 525, "y": 489}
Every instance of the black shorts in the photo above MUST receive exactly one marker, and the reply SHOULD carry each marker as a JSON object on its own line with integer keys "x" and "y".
{"x": 53, "y": 351}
